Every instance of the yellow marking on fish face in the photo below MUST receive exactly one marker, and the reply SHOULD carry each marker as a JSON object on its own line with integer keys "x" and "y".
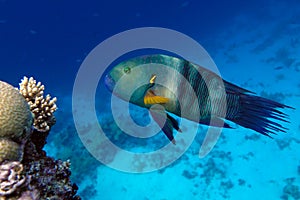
{"x": 150, "y": 99}
{"x": 152, "y": 79}
{"x": 155, "y": 100}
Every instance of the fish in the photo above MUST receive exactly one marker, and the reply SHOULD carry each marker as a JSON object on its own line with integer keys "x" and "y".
{"x": 190, "y": 91}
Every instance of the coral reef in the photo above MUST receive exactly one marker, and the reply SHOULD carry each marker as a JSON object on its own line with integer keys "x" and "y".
{"x": 247, "y": 156}
{"x": 42, "y": 107}
{"x": 277, "y": 96}
{"x": 74, "y": 150}
{"x": 283, "y": 56}
{"x": 15, "y": 115}
{"x": 253, "y": 137}
{"x": 15, "y": 123}
{"x": 10, "y": 150}
{"x": 189, "y": 175}
{"x": 225, "y": 186}
{"x": 242, "y": 182}
{"x": 211, "y": 171}
{"x": 11, "y": 177}
{"x": 282, "y": 144}
{"x": 290, "y": 190}
{"x": 26, "y": 172}
{"x": 51, "y": 178}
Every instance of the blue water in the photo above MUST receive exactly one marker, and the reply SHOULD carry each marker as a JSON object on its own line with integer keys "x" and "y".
{"x": 255, "y": 44}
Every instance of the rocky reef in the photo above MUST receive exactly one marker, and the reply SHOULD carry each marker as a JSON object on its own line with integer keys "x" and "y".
{"x": 26, "y": 172}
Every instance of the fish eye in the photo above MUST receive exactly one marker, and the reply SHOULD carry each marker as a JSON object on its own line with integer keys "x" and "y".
{"x": 127, "y": 70}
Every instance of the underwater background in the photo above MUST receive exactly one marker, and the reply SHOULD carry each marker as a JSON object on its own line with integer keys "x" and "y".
{"x": 255, "y": 44}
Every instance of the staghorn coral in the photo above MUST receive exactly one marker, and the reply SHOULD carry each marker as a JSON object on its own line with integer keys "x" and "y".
{"x": 15, "y": 116}
{"x": 11, "y": 177}
{"x": 10, "y": 150}
{"x": 42, "y": 107}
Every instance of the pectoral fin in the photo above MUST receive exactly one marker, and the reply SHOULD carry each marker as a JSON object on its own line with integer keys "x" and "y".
{"x": 151, "y": 98}
{"x": 174, "y": 123}
{"x": 165, "y": 122}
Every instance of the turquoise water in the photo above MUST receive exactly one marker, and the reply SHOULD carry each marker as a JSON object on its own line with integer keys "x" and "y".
{"x": 255, "y": 45}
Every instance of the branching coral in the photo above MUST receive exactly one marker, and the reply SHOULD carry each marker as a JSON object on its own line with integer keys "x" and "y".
{"x": 11, "y": 177}
{"x": 42, "y": 107}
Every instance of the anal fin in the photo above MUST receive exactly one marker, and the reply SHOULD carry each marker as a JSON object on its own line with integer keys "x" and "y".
{"x": 165, "y": 122}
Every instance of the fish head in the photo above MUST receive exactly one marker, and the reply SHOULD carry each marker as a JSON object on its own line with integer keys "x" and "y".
{"x": 129, "y": 81}
{"x": 115, "y": 74}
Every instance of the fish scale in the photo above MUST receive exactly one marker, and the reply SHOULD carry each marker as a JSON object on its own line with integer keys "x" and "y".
{"x": 215, "y": 100}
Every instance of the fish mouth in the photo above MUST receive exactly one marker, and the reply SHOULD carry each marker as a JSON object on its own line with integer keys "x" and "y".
{"x": 109, "y": 82}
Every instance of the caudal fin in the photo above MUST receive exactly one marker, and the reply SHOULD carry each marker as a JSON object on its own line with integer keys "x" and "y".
{"x": 258, "y": 114}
